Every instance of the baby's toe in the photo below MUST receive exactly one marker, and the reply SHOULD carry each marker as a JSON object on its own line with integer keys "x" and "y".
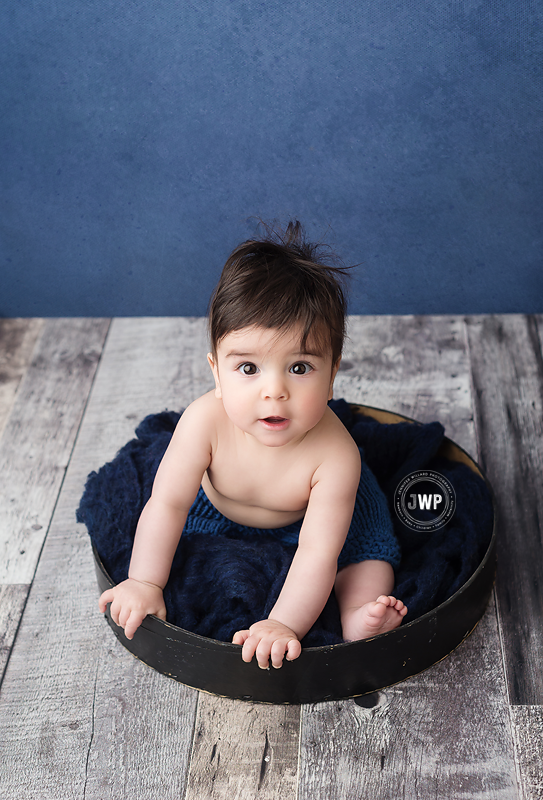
{"x": 385, "y": 600}
{"x": 398, "y": 606}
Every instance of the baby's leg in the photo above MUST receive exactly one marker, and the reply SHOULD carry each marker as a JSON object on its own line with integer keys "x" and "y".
{"x": 366, "y": 606}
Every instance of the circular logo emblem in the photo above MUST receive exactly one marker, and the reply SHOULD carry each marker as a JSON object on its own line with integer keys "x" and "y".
{"x": 424, "y": 500}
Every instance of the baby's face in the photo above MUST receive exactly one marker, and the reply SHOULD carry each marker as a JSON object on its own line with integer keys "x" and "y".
{"x": 269, "y": 388}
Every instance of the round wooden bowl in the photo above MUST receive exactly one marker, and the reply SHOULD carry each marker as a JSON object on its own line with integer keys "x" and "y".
{"x": 320, "y": 673}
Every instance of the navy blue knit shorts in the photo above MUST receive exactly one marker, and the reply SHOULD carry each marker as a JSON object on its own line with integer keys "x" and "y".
{"x": 370, "y": 537}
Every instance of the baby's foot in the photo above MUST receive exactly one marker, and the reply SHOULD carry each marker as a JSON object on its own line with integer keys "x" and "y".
{"x": 383, "y": 615}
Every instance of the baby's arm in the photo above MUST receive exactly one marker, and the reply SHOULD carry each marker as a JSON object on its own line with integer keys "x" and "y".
{"x": 314, "y": 567}
{"x": 161, "y": 523}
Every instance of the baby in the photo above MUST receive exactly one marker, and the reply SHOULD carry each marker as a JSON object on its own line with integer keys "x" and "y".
{"x": 264, "y": 450}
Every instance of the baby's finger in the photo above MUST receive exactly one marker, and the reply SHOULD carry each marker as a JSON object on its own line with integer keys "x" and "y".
{"x": 105, "y": 598}
{"x": 123, "y": 616}
{"x": 240, "y": 637}
{"x": 249, "y": 647}
{"x": 262, "y": 654}
{"x": 132, "y": 624}
{"x": 294, "y": 648}
{"x": 277, "y": 653}
{"x": 114, "y": 611}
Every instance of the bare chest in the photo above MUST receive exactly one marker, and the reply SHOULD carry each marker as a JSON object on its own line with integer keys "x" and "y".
{"x": 266, "y": 491}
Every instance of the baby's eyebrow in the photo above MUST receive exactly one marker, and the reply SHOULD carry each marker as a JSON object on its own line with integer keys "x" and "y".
{"x": 298, "y": 354}
{"x": 307, "y": 353}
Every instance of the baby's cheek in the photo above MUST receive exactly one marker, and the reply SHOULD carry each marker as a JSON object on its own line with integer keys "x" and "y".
{"x": 237, "y": 411}
{"x": 313, "y": 410}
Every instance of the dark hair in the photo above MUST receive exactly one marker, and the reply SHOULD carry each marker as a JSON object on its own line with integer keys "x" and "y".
{"x": 279, "y": 282}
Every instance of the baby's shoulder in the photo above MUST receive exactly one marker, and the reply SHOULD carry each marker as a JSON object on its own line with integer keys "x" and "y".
{"x": 200, "y": 417}
{"x": 335, "y": 444}
{"x": 338, "y": 461}
{"x": 336, "y": 431}
{"x": 202, "y": 406}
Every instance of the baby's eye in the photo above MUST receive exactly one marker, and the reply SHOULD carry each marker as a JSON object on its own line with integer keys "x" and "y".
{"x": 248, "y": 368}
{"x": 300, "y": 368}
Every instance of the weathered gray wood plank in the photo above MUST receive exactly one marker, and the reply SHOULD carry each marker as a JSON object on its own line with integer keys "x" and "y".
{"x": 36, "y": 444}
{"x": 12, "y": 601}
{"x": 143, "y": 727}
{"x": 415, "y": 366}
{"x": 243, "y": 751}
{"x": 17, "y": 340}
{"x": 528, "y": 733}
{"x": 445, "y": 733}
{"x": 528, "y": 720}
{"x": 508, "y": 380}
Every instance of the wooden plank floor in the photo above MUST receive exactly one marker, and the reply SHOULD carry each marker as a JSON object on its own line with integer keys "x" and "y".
{"x": 81, "y": 718}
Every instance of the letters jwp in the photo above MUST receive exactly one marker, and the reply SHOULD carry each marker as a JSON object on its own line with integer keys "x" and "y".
{"x": 424, "y": 501}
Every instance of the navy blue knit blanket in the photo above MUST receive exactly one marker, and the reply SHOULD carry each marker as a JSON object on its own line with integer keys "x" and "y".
{"x": 217, "y": 587}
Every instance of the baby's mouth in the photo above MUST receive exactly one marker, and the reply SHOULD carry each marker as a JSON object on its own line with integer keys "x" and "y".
{"x": 275, "y": 423}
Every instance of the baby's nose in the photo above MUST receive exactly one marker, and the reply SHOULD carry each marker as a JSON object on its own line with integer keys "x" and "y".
{"x": 275, "y": 387}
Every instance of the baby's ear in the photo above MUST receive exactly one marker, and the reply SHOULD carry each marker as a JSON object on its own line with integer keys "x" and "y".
{"x": 215, "y": 371}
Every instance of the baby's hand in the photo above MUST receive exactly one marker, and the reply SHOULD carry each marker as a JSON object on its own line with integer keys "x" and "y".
{"x": 131, "y": 601}
{"x": 268, "y": 638}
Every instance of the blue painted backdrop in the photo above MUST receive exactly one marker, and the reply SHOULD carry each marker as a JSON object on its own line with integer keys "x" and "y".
{"x": 138, "y": 137}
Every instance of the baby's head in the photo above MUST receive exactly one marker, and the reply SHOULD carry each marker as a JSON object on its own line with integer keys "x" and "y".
{"x": 282, "y": 283}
